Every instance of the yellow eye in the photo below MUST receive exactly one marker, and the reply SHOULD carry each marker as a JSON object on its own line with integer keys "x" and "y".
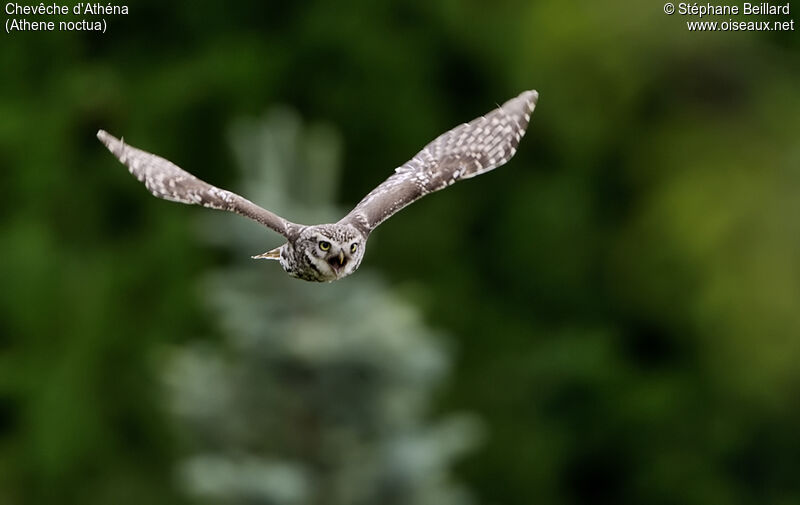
{"x": 324, "y": 245}
{"x": 353, "y": 248}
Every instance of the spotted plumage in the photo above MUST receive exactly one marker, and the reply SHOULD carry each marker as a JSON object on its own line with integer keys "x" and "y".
{"x": 328, "y": 252}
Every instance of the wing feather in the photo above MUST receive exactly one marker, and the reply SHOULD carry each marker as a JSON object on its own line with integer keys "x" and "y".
{"x": 467, "y": 150}
{"x": 166, "y": 180}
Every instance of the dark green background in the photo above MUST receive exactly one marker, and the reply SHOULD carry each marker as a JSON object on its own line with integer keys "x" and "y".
{"x": 624, "y": 296}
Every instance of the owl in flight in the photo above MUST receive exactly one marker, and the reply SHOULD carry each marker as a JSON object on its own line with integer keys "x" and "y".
{"x": 327, "y": 252}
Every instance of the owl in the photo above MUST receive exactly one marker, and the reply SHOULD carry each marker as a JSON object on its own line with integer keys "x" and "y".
{"x": 328, "y": 252}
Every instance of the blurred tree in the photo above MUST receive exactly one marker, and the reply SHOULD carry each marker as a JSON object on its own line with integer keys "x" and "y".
{"x": 318, "y": 393}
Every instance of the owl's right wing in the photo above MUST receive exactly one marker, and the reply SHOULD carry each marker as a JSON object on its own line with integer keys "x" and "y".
{"x": 467, "y": 150}
{"x": 168, "y": 181}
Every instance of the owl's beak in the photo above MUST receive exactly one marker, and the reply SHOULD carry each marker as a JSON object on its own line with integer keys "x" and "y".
{"x": 337, "y": 262}
{"x": 274, "y": 254}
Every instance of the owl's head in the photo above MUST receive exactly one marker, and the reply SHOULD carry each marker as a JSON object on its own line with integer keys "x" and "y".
{"x": 321, "y": 253}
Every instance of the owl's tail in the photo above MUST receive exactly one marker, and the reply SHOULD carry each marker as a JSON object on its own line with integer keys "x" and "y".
{"x": 274, "y": 254}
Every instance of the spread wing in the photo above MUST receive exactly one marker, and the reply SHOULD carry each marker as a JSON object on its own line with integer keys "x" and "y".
{"x": 465, "y": 151}
{"x": 168, "y": 181}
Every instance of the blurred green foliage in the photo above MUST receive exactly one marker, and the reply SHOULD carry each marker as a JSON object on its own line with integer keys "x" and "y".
{"x": 624, "y": 295}
{"x": 315, "y": 395}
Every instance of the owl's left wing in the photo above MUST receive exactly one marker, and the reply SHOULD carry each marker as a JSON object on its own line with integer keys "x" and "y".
{"x": 465, "y": 151}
